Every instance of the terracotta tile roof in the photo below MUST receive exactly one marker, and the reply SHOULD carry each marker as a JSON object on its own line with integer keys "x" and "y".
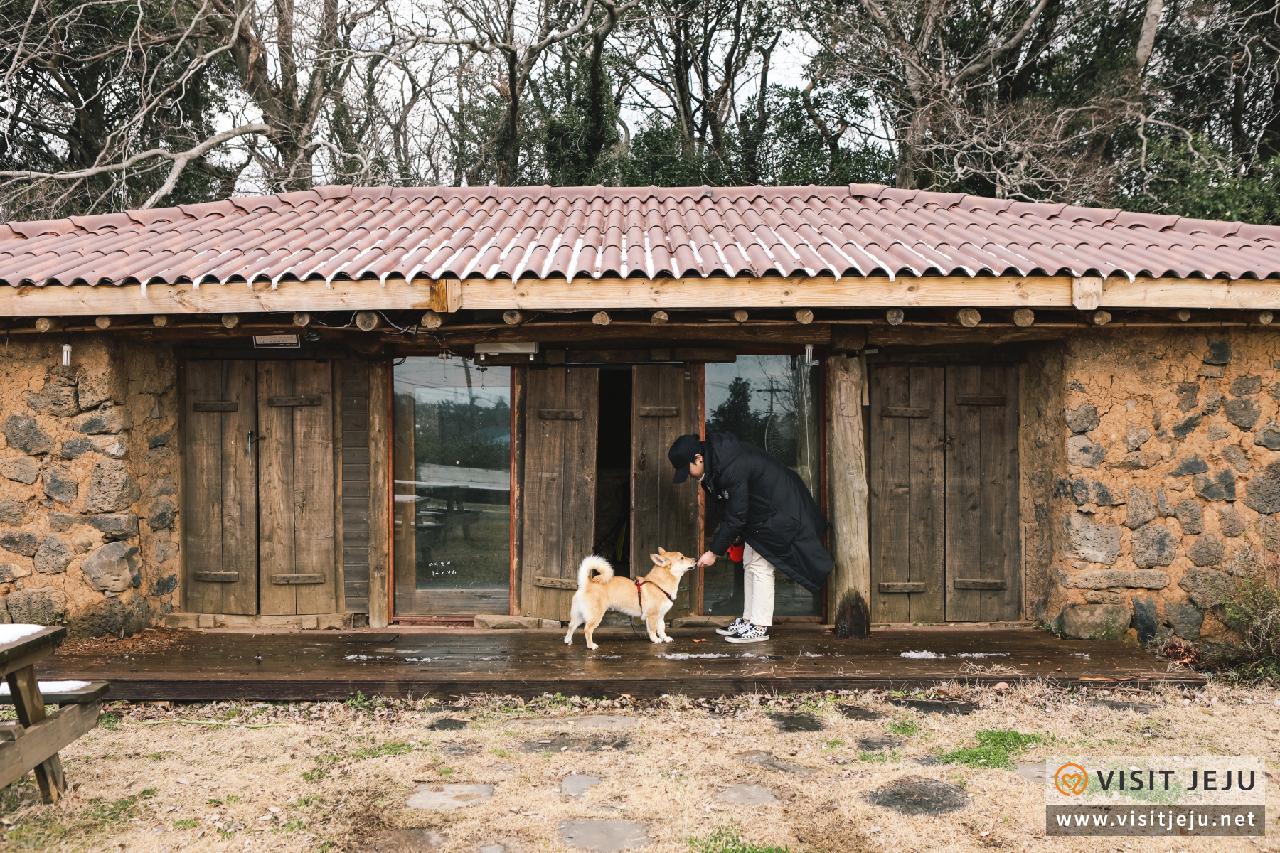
{"x": 594, "y": 232}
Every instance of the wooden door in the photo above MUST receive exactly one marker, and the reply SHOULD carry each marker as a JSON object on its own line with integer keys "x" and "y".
{"x": 297, "y": 545}
{"x": 907, "y": 511}
{"x": 664, "y": 405}
{"x": 220, "y": 488}
{"x": 559, "y": 482}
{"x": 983, "y": 576}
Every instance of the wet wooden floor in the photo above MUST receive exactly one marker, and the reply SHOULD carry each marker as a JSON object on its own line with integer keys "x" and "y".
{"x": 206, "y": 666}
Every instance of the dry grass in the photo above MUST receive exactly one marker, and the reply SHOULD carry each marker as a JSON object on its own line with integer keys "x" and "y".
{"x": 330, "y": 776}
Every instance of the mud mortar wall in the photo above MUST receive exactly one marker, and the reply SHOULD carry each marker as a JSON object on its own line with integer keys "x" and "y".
{"x": 1171, "y": 481}
{"x": 88, "y": 484}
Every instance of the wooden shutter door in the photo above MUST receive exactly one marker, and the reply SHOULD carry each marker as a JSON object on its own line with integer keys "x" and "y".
{"x": 907, "y": 512}
{"x": 220, "y": 488}
{"x": 983, "y": 577}
{"x": 664, "y": 405}
{"x": 558, "y": 527}
{"x": 297, "y": 545}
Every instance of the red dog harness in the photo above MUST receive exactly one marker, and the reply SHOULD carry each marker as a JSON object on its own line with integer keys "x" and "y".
{"x": 640, "y": 599}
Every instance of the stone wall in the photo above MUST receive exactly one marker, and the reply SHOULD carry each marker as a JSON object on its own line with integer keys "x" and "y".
{"x": 1171, "y": 484}
{"x": 88, "y": 484}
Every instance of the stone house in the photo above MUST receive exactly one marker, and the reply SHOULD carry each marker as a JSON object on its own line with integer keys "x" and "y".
{"x": 370, "y": 406}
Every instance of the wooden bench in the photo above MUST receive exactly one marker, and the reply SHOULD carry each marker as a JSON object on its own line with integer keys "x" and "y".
{"x": 33, "y": 742}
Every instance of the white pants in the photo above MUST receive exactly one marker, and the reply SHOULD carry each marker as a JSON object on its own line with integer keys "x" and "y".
{"x": 757, "y": 589}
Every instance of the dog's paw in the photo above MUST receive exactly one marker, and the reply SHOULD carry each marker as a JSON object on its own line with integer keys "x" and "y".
{"x": 593, "y": 646}
{"x": 668, "y": 639}
{"x": 568, "y": 641}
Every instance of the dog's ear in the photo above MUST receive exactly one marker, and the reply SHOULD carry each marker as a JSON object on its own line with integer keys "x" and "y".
{"x": 660, "y": 559}
{"x": 662, "y": 551}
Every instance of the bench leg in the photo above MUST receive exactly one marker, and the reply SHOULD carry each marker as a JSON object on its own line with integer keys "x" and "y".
{"x": 29, "y": 705}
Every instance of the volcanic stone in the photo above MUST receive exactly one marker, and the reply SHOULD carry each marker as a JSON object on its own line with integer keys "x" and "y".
{"x": 1230, "y": 522}
{"x": 1185, "y": 619}
{"x": 37, "y": 606}
{"x": 1119, "y": 579}
{"x": 1206, "y": 550}
{"x": 1082, "y": 419}
{"x": 1242, "y": 412}
{"x": 1190, "y": 516}
{"x": 53, "y": 556}
{"x": 1268, "y": 436}
{"x": 1208, "y": 587}
{"x": 60, "y": 485}
{"x": 1262, "y": 492}
{"x": 119, "y": 525}
{"x": 20, "y": 470}
{"x": 1083, "y": 452}
{"x": 112, "y": 568}
{"x": 23, "y": 433}
{"x": 1141, "y": 508}
{"x": 1097, "y": 543}
{"x": 1219, "y": 353}
{"x": 111, "y": 489}
{"x": 1243, "y": 385}
{"x": 19, "y": 542}
{"x": 1220, "y": 486}
{"x": 1154, "y": 545}
{"x": 1190, "y": 465}
{"x": 1095, "y": 621}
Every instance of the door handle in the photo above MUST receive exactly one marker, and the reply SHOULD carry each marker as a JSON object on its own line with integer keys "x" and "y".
{"x": 250, "y": 438}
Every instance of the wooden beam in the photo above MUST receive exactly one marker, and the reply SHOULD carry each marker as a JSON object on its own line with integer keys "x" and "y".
{"x": 39, "y": 744}
{"x": 804, "y": 316}
{"x": 1101, "y": 318}
{"x": 431, "y": 320}
{"x": 895, "y": 316}
{"x": 367, "y": 321}
{"x": 969, "y": 317}
{"x": 103, "y": 323}
{"x": 659, "y": 317}
{"x": 601, "y": 318}
{"x": 287, "y": 297}
{"x": 740, "y": 315}
{"x": 45, "y": 324}
{"x": 159, "y": 321}
{"x": 1086, "y": 292}
{"x": 380, "y": 497}
{"x": 512, "y": 318}
{"x": 230, "y": 321}
{"x": 847, "y": 478}
{"x": 301, "y": 319}
{"x": 1024, "y": 317}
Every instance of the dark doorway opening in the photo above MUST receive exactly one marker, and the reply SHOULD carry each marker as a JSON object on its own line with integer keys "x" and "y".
{"x": 613, "y": 470}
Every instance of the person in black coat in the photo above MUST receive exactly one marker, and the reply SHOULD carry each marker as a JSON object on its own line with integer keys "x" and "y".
{"x": 767, "y": 506}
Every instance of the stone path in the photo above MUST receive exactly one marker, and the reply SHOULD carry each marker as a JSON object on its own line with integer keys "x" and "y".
{"x": 445, "y": 798}
{"x": 770, "y": 761}
{"x": 937, "y": 706}
{"x": 604, "y": 836}
{"x": 797, "y": 722}
{"x": 577, "y": 784}
{"x": 746, "y": 795}
{"x": 919, "y": 795}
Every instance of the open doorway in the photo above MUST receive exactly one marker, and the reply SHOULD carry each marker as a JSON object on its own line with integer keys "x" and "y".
{"x": 613, "y": 471}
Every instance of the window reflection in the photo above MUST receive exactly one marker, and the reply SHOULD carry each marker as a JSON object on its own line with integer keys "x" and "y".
{"x": 769, "y": 401}
{"x": 452, "y": 433}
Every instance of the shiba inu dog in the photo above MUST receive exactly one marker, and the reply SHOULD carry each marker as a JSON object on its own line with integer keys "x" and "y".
{"x": 650, "y": 596}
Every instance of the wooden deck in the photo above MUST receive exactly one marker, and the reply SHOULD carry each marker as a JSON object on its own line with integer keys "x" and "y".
{"x": 206, "y": 666}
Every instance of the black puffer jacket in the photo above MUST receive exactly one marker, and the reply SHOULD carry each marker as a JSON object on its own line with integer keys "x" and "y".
{"x": 768, "y": 505}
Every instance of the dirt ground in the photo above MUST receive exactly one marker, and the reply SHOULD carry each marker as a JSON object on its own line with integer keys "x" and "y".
{"x": 337, "y": 776}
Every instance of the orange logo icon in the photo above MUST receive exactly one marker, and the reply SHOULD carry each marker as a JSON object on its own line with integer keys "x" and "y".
{"x": 1071, "y": 780}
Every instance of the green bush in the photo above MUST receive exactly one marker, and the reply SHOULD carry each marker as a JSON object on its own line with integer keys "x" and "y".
{"x": 1253, "y": 612}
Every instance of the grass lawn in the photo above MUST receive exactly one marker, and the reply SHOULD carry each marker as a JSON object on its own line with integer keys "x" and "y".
{"x": 338, "y": 776}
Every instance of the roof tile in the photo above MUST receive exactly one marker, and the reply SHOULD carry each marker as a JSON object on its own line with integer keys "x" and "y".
{"x": 596, "y": 232}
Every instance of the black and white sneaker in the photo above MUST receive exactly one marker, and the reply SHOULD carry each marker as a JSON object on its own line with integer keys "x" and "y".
{"x": 750, "y": 634}
{"x": 733, "y": 628}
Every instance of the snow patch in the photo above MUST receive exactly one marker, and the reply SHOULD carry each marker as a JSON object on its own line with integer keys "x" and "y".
{"x": 923, "y": 655}
{"x": 50, "y": 687}
{"x": 14, "y": 633}
{"x": 983, "y": 655}
{"x": 692, "y": 656}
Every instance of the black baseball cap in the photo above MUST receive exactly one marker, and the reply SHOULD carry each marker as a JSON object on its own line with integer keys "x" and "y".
{"x": 681, "y": 454}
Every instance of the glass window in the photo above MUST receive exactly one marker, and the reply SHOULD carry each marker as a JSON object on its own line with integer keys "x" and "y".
{"x": 769, "y": 401}
{"x": 452, "y": 471}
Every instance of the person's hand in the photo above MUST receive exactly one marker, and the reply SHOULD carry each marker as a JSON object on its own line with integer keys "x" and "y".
{"x": 706, "y": 560}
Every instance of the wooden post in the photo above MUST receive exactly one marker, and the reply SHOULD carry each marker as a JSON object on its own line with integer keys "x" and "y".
{"x": 804, "y": 316}
{"x": 230, "y": 321}
{"x": 659, "y": 317}
{"x": 44, "y": 324}
{"x": 601, "y": 318}
{"x": 367, "y": 321}
{"x": 159, "y": 320}
{"x": 969, "y": 317}
{"x": 1024, "y": 317}
{"x": 431, "y": 320}
{"x": 740, "y": 315}
{"x": 849, "y": 588}
{"x": 512, "y": 318}
{"x": 103, "y": 322}
{"x": 302, "y": 319}
{"x": 1265, "y": 317}
{"x": 1183, "y": 315}
{"x": 895, "y": 316}
{"x": 1101, "y": 318}
{"x": 379, "y": 494}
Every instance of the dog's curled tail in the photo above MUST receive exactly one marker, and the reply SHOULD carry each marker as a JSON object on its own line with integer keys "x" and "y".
{"x": 599, "y": 565}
